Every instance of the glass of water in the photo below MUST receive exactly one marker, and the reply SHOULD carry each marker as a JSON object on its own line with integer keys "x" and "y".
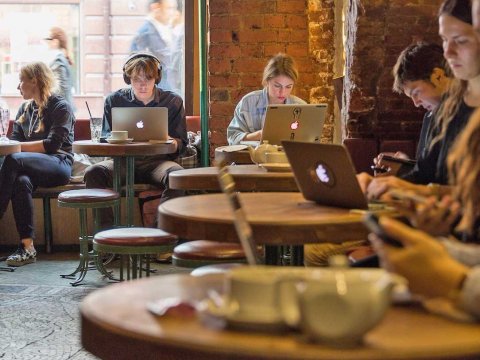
{"x": 4, "y": 120}
{"x": 96, "y": 129}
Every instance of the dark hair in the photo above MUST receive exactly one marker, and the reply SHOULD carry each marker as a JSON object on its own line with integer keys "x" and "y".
{"x": 461, "y": 9}
{"x": 416, "y": 62}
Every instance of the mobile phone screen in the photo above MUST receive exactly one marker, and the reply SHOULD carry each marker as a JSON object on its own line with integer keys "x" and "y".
{"x": 371, "y": 221}
{"x": 399, "y": 160}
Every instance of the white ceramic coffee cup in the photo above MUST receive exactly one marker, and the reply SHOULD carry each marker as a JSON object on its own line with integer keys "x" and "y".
{"x": 263, "y": 294}
{"x": 119, "y": 135}
{"x": 277, "y": 157}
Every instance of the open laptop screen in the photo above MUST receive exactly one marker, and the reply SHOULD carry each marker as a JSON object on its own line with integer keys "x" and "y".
{"x": 299, "y": 122}
{"x": 142, "y": 123}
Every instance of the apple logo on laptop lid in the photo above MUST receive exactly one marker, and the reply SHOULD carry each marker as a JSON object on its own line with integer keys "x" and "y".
{"x": 322, "y": 174}
{"x": 139, "y": 124}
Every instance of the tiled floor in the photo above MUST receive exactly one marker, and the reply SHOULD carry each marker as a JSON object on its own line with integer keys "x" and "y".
{"x": 35, "y": 300}
{"x": 47, "y": 270}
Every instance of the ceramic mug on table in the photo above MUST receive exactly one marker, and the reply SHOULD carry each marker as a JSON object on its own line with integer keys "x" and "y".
{"x": 261, "y": 294}
{"x": 119, "y": 135}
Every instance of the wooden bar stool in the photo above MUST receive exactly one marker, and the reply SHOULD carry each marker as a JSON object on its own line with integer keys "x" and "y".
{"x": 198, "y": 253}
{"x": 134, "y": 243}
{"x": 83, "y": 200}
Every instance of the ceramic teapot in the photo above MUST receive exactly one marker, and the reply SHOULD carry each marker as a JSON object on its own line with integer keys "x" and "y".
{"x": 259, "y": 154}
{"x": 338, "y": 306}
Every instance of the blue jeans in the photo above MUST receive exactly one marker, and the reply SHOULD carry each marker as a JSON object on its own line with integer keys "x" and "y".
{"x": 21, "y": 174}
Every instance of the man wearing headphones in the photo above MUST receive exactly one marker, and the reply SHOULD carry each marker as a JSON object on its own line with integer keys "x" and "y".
{"x": 142, "y": 71}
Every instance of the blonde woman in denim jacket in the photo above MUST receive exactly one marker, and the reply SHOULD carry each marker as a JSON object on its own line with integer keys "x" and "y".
{"x": 279, "y": 78}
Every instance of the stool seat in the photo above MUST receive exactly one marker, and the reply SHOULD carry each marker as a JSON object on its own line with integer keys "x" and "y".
{"x": 134, "y": 244}
{"x": 135, "y": 236}
{"x": 209, "y": 250}
{"x": 214, "y": 269}
{"x": 88, "y": 195}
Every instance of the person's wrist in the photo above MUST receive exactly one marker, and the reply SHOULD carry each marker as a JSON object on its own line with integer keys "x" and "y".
{"x": 434, "y": 189}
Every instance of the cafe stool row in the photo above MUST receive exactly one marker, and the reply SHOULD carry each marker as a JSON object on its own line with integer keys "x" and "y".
{"x": 131, "y": 244}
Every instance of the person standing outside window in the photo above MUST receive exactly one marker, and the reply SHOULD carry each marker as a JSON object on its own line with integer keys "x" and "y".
{"x": 162, "y": 34}
{"x": 60, "y": 65}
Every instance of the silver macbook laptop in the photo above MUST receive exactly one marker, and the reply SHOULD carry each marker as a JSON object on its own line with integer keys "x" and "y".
{"x": 300, "y": 122}
{"x": 325, "y": 174}
{"x": 142, "y": 123}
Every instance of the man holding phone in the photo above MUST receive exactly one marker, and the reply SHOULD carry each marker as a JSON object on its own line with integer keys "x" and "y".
{"x": 419, "y": 73}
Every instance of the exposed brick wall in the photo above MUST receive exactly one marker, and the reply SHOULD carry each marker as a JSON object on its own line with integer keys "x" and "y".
{"x": 244, "y": 34}
{"x": 377, "y": 33}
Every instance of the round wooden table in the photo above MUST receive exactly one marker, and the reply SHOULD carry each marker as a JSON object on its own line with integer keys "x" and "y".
{"x": 276, "y": 219}
{"x": 119, "y": 152}
{"x": 247, "y": 178}
{"x": 117, "y": 325}
{"x": 10, "y": 147}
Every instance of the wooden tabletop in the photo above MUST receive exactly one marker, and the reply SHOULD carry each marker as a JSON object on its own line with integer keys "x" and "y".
{"x": 247, "y": 178}
{"x": 132, "y": 149}
{"x": 10, "y": 147}
{"x": 276, "y": 219}
{"x": 228, "y": 157}
{"x": 116, "y": 325}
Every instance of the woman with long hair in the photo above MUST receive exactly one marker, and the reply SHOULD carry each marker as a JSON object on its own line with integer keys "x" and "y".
{"x": 279, "y": 78}
{"x": 62, "y": 62}
{"x": 44, "y": 126}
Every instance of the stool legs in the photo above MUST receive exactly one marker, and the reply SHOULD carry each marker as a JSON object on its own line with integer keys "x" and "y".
{"x": 85, "y": 254}
{"x": 134, "y": 268}
{"x": 82, "y": 267}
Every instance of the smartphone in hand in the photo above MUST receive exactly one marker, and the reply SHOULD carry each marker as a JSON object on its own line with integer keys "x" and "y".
{"x": 394, "y": 159}
{"x": 372, "y": 223}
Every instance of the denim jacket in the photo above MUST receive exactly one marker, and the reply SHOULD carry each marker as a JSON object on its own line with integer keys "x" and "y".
{"x": 250, "y": 114}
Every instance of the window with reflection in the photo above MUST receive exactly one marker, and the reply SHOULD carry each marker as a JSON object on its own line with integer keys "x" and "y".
{"x": 24, "y": 32}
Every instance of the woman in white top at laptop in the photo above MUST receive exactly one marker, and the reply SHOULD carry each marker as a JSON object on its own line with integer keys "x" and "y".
{"x": 279, "y": 78}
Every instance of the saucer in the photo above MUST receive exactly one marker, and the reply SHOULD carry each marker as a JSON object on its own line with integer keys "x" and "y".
{"x": 232, "y": 148}
{"x": 115, "y": 141}
{"x": 276, "y": 167}
{"x": 265, "y": 322}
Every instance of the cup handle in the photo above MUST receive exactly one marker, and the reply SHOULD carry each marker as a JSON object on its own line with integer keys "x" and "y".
{"x": 288, "y": 301}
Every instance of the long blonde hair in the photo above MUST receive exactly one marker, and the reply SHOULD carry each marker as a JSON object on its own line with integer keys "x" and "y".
{"x": 45, "y": 81}
{"x": 449, "y": 107}
{"x": 464, "y": 172}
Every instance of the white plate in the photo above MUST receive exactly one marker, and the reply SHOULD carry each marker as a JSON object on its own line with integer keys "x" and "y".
{"x": 232, "y": 148}
{"x": 276, "y": 167}
{"x": 114, "y": 141}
